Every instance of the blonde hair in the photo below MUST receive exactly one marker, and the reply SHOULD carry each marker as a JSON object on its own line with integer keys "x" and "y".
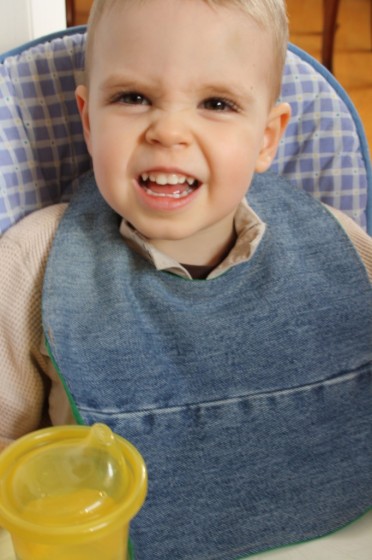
{"x": 270, "y": 15}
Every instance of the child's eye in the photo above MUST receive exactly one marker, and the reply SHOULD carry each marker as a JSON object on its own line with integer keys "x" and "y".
{"x": 219, "y": 104}
{"x": 131, "y": 98}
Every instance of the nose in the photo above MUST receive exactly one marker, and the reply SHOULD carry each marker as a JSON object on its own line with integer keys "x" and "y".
{"x": 169, "y": 130}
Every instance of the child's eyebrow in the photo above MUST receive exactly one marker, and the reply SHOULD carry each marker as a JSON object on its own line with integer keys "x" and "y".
{"x": 119, "y": 80}
{"x": 240, "y": 91}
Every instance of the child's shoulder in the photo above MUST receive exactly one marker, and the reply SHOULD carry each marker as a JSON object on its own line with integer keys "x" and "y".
{"x": 358, "y": 237}
{"x": 30, "y": 239}
{"x": 37, "y": 225}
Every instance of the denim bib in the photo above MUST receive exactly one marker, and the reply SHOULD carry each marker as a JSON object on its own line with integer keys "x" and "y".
{"x": 249, "y": 395}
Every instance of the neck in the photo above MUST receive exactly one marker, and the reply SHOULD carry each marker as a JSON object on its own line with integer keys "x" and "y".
{"x": 202, "y": 249}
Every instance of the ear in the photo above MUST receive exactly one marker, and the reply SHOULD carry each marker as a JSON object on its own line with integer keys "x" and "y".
{"x": 81, "y": 96}
{"x": 276, "y": 124}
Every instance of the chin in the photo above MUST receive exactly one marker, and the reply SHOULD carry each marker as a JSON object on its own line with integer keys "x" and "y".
{"x": 165, "y": 233}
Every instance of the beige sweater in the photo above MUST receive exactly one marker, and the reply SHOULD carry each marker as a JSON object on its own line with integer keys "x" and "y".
{"x": 31, "y": 394}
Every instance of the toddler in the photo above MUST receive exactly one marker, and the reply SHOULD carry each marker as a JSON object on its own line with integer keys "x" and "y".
{"x": 228, "y": 338}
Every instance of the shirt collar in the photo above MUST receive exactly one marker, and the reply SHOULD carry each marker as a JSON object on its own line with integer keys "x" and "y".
{"x": 249, "y": 230}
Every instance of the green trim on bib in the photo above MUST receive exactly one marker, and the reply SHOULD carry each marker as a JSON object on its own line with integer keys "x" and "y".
{"x": 73, "y": 405}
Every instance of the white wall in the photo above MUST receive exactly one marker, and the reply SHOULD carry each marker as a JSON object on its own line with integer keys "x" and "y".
{"x": 25, "y": 20}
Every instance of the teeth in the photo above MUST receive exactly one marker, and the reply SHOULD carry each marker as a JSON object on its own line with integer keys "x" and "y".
{"x": 167, "y": 179}
{"x": 176, "y": 194}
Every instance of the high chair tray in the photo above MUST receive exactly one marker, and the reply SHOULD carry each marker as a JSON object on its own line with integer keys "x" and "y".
{"x": 354, "y": 542}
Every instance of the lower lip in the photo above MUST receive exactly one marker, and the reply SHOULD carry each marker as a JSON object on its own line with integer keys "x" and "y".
{"x": 164, "y": 203}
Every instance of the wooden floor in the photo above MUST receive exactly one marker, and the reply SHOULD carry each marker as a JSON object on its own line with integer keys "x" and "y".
{"x": 353, "y": 45}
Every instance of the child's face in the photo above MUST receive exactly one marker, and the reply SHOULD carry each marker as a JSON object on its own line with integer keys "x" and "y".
{"x": 178, "y": 116}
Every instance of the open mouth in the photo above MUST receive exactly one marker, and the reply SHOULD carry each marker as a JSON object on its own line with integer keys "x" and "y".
{"x": 172, "y": 185}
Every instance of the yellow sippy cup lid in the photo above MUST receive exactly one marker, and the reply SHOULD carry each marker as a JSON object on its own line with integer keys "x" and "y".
{"x": 76, "y": 480}
{"x": 70, "y": 479}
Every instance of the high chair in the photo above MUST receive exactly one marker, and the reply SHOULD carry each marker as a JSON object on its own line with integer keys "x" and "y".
{"x": 42, "y": 150}
{"x": 43, "y": 154}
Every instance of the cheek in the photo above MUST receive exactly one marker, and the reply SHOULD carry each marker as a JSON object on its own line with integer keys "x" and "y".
{"x": 109, "y": 139}
{"x": 104, "y": 145}
{"x": 235, "y": 164}
{"x": 110, "y": 158}
{"x": 106, "y": 159}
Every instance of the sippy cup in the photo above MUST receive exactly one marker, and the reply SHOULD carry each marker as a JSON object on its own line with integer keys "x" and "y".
{"x": 69, "y": 493}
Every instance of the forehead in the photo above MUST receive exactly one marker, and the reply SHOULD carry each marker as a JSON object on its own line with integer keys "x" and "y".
{"x": 180, "y": 39}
